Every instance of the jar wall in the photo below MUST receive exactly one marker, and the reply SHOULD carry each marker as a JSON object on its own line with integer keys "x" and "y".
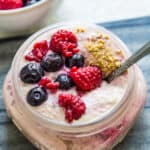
{"x": 97, "y": 136}
{"x": 21, "y": 99}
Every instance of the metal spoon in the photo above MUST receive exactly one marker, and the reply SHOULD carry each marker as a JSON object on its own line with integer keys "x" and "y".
{"x": 142, "y": 52}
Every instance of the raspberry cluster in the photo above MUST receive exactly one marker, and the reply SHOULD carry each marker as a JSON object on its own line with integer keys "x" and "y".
{"x": 73, "y": 106}
{"x": 64, "y": 42}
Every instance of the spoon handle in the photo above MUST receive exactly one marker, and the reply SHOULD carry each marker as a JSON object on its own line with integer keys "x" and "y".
{"x": 145, "y": 50}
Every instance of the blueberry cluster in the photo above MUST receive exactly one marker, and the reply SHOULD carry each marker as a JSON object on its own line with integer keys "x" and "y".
{"x": 33, "y": 72}
{"x": 60, "y": 53}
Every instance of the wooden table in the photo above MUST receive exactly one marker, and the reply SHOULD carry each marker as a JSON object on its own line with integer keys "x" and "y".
{"x": 134, "y": 33}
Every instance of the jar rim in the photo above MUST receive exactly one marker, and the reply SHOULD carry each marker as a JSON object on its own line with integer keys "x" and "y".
{"x": 57, "y": 124}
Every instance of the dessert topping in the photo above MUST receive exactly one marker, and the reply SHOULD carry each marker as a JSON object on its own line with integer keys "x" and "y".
{"x": 39, "y": 50}
{"x": 36, "y": 96}
{"x": 100, "y": 61}
{"x": 101, "y": 55}
{"x": 73, "y": 105}
{"x": 65, "y": 81}
{"x": 63, "y": 41}
{"x": 31, "y": 73}
{"x": 52, "y": 62}
{"x": 86, "y": 78}
{"x": 76, "y": 60}
{"x": 48, "y": 84}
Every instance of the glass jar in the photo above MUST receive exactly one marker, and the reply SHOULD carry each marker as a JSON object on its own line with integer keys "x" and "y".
{"x": 103, "y": 133}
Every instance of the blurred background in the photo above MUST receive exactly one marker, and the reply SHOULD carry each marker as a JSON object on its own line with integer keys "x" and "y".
{"x": 101, "y": 10}
{"x": 82, "y": 10}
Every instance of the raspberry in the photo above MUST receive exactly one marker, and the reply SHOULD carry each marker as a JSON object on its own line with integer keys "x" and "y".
{"x": 69, "y": 115}
{"x": 64, "y": 42}
{"x": 46, "y": 83}
{"x": 52, "y": 86}
{"x": 78, "y": 110}
{"x": 86, "y": 78}
{"x": 39, "y": 50}
{"x": 75, "y": 50}
{"x": 74, "y": 107}
{"x": 65, "y": 100}
{"x": 10, "y": 4}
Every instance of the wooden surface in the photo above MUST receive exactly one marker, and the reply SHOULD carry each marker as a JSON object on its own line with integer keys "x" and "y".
{"x": 134, "y": 33}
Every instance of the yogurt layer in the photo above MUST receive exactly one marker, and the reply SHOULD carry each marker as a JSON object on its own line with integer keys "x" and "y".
{"x": 99, "y": 101}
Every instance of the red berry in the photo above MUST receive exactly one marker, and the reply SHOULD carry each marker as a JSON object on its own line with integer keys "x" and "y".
{"x": 74, "y": 68}
{"x": 42, "y": 46}
{"x": 75, "y": 50}
{"x": 78, "y": 110}
{"x": 54, "y": 85}
{"x": 74, "y": 107}
{"x": 86, "y": 78}
{"x": 10, "y": 4}
{"x": 30, "y": 57}
{"x": 39, "y": 50}
{"x": 46, "y": 83}
{"x": 69, "y": 115}
{"x": 64, "y": 100}
{"x": 63, "y": 41}
{"x": 68, "y": 54}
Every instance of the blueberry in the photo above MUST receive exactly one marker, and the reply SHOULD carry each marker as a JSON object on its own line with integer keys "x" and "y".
{"x": 65, "y": 81}
{"x": 31, "y": 73}
{"x": 36, "y": 96}
{"x": 76, "y": 60}
{"x": 52, "y": 62}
